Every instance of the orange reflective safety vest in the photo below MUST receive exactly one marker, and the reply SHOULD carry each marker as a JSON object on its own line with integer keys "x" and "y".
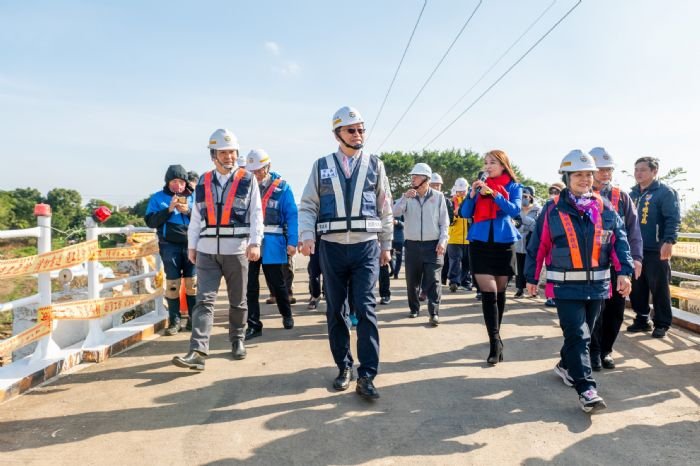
{"x": 615, "y": 198}
{"x": 578, "y": 271}
{"x": 230, "y": 221}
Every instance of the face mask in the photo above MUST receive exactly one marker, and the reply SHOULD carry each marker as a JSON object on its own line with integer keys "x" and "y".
{"x": 526, "y": 201}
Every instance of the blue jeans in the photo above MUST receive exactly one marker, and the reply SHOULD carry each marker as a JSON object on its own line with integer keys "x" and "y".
{"x": 175, "y": 261}
{"x": 176, "y": 265}
{"x": 577, "y": 319}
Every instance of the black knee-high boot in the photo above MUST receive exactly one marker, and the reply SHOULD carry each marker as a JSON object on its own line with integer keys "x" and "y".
{"x": 501, "y": 302}
{"x": 490, "y": 310}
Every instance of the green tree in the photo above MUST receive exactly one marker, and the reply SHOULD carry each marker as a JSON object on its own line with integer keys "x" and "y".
{"x": 7, "y": 214}
{"x": 691, "y": 219}
{"x": 139, "y": 209}
{"x": 23, "y": 211}
{"x": 93, "y": 204}
{"x": 67, "y": 211}
{"x": 450, "y": 164}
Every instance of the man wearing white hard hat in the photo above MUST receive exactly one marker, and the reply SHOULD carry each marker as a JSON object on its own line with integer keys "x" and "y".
{"x": 425, "y": 232}
{"x": 281, "y": 232}
{"x": 347, "y": 201}
{"x": 225, "y": 232}
{"x": 458, "y": 245}
{"x": 608, "y": 324}
{"x": 577, "y": 235}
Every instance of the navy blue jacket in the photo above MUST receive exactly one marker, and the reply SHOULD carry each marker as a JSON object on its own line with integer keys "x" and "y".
{"x": 659, "y": 214}
{"x": 552, "y": 246}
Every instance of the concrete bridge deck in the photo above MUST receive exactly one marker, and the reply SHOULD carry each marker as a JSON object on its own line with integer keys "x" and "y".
{"x": 440, "y": 403}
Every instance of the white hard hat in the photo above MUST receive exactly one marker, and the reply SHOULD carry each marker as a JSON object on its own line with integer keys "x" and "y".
{"x": 223, "y": 139}
{"x": 257, "y": 158}
{"x": 576, "y": 161}
{"x": 435, "y": 178}
{"x": 346, "y": 116}
{"x": 422, "y": 169}
{"x": 241, "y": 160}
{"x": 602, "y": 158}
{"x": 461, "y": 184}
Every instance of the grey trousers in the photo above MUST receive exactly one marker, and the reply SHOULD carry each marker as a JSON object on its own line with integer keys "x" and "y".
{"x": 210, "y": 269}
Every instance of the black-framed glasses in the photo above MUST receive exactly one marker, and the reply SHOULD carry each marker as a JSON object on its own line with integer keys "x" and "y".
{"x": 354, "y": 130}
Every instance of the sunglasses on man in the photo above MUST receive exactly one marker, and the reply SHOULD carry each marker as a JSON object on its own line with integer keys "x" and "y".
{"x": 554, "y": 191}
{"x": 354, "y": 130}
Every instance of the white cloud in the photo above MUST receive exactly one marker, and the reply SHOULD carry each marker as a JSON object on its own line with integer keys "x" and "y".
{"x": 272, "y": 47}
{"x": 289, "y": 68}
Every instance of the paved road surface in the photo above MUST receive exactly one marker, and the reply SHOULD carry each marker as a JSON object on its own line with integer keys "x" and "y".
{"x": 440, "y": 403}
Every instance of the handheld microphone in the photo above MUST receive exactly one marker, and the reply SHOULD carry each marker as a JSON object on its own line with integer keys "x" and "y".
{"x": 483, "y": 176}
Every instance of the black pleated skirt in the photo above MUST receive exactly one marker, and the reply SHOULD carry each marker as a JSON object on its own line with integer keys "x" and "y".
{"x": 491, "y": 258}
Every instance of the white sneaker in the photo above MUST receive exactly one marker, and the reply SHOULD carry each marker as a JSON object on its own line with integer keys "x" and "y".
{"x": 564, "y": 374}
{"x": 591, "y": 401}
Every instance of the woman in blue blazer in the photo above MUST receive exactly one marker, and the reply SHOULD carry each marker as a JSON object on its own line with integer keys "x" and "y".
{"x": 492, "y": 203}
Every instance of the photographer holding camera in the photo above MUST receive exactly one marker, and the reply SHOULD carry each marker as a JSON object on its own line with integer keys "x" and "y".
{"x": 168, "y": 211}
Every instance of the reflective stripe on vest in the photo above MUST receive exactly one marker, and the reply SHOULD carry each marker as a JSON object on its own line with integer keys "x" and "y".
{"x": 572, "y": 240}
{"x": 274, "y": 229}
{"x": 342, "y": 220}
{"x": 209, "y": 198}
{"x": 268, "y": 194}
{"x": 578, "y": 275}
{"x": 224, "y": 232}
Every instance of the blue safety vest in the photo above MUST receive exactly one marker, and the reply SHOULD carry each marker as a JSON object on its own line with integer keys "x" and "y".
{"x": 271, "y": 206}
{"x": 344, "y": 207}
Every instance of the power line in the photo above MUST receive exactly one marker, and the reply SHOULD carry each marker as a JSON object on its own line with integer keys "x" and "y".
{"x": 425, "y": 3}
{"x": 503, "y": 55}
{"x": 503, "y": 75}
{"x": 466, "y": 23}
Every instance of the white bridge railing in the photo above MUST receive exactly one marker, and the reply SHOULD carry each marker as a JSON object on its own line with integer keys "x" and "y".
{"x": 101, "y": 312}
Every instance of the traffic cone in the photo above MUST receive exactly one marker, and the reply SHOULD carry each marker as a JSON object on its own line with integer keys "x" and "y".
{"x": 183, "y": 299}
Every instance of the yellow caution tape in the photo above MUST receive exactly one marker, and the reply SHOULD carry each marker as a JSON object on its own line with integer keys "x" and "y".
{"x": 53, "y": 260}
{"x": 94, "y": 308}
{"x": 34, "y": 333}
{"x": 127, "y": 252}
{"x": 74, "y": 255}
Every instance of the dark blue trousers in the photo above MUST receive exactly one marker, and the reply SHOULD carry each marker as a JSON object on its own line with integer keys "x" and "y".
{"x": 355, "y": 266}
{"x": 577, "y": 320}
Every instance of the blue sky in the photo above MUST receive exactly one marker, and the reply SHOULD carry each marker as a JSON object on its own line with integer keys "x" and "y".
{"x": 102, "y": 96}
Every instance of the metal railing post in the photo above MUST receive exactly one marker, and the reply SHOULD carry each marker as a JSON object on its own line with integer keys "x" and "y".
{"x": 95, "y": 336}
{"x": 46, "y": 348}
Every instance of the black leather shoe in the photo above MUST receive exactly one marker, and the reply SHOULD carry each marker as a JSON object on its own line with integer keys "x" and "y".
{"x": 519, "y": 293}
{"x": 608, "y": 362}
{"x": 251, "y": 333}
{"x": 637, "y": 327}
{"x": 365, "y": 388}
{"x": 238, "y": 350}
{"x": 288, "y": 322}
{"x": 193, "y": 360}
{"x": 659, "y": 332}
{"x": 342, "y": 382}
